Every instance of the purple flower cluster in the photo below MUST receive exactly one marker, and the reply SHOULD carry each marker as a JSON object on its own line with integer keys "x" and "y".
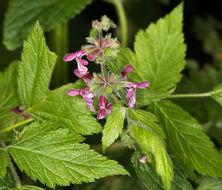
{"x": 99, "y": 85}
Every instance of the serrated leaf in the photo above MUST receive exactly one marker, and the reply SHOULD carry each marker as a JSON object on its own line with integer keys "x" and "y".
{"x": 35, "y": 71}
{"x": 8, "y": 92}
{"x": 21, "y": 15}
{"x": 4, "y": 163}
{"x": 209, "y": 183}
{"x": 147, "y": 173}
{"x": 217, "y": 94}
{"x": 150, "y": 138}
{"x": 186, "y": 139}
{"x": 114, "y": 125}
{"x": 112, "y": 65}
{"x": 75, "y": 163}
{"x": 159, "y": 53}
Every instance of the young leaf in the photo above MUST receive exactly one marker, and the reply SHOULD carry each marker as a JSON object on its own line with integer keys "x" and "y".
{"x": 8, "y": 92}
{"x": 113, "y": 126}
{"x": 21, "y": 15}
{"x": 38, "y": 155}
{"x": 147, "y": 173}
{"x": 35, "y": 71}
{"x": 4, "y": 163}
{"x": 8, "y": 182}
{"x": 186, "y": 139}
{"x": 209, "y": 183}
{"x": 159, "y": 53}
{"x": 150, "y": 138}
{"x": 217, "y": 94}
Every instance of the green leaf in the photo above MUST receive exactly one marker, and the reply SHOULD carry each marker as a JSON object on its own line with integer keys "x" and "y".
{"x": 112, "y": 65}
{"x": 4, "y": 163}
{"x": 217, "y": 94}
{"x": 150, "y": 138}
{"x": 186, "y": 139}
{"x": 21, "y": 15}
{"x": 8, "y": 182}
{"x": 147, "y": 173}
{"x": 35, "y": 71}
{"x": 209, "y": 183}
{"x": 8, "y": 92}
{"x": 38, "y": 153}
{"x": 113, "y": 126}
{"x": 159, "y": 53}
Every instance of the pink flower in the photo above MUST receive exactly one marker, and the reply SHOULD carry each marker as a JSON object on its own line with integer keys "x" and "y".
{"x": 87, "y": 96}
{"x": 126, "y": 70}
{"x": 82, "y": 70}
{"x": 87, "y": 78}
{"x": 103, "y": 109}
{"x": 143, "y": 158}
{"x": 131, "y": 94}
{"x": 18, "y": 110}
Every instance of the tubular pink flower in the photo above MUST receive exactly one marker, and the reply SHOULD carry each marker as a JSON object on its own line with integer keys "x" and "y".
{"x": 103, "y": 109}
{"x": 18, "y": 110}
{"x": 131, "y": 94}
{"x": 90, "y": 57}
{"x": 87, "y": 96}
{"x": 87, "y": 78}
{"x": 126, "y": 70}
{"x": 82, "y": 70}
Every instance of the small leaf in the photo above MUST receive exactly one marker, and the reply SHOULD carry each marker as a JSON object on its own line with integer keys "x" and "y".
{"x": 152, "y": 181}
{"x": 159, "y": 53}
{"x": 217, "y": 94}
{"x": 113, "y": 126}
{"x": 38, "y": 154}
{"x": 112, "y": 65}
{"x": 8, "y": 182}
{"x": 35, "y": 71}
{"x": 21, "y": 15}
{"x": 4, "y": 163}
{"x": 150, "y": 138}
{"x": 209, "y": 183}
{"x": 186, "y": 139}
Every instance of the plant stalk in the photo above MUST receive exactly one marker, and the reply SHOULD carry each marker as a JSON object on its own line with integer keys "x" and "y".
{"x": 197, "y": 95}
{"x": 16, "y": 125}
{"x": 11, "y": 166}
{"x": 59, "y": 44}
{"x": 122, "y": 20}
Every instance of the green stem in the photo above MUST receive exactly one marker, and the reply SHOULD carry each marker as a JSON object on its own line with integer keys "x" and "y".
{"x": 16, "y": 125}
{"x": 59, "y": 44}
{"x": 122, "y": 19}
{"x": 104, "y": 72}
{"x": 11, "y": 166}
{"x": 199, "y": 95}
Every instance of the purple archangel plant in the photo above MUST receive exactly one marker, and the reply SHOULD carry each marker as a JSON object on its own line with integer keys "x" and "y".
{"x": 127, "y": 100}
{"x": 105, "y": 84}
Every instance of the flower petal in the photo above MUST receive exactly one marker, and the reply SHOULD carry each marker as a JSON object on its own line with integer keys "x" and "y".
{"x": 143, "y": 84}
{"x": 87, "y": 78}
{"x": 70, "y": 57}
{"x": 130, "y": 85}
{"x": 73, "y": 92}
{"x": 126, "y": 70}
{"x": 132, "y": 102}
{"x": 102, "y": 103}
{"x": 91, "y": 107}
{"x": 130, "y": 93}
{"x": 109, "y": 108}
{"x": 101, "y": 114}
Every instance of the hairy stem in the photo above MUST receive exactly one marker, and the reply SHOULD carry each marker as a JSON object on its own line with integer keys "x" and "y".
{"x": 59, "y": 44}
{"x": 16, "y": 125}
{"x": 122, "y": 19}
{"x": 198, "y": 95}
{"x": 11, "y": 166}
